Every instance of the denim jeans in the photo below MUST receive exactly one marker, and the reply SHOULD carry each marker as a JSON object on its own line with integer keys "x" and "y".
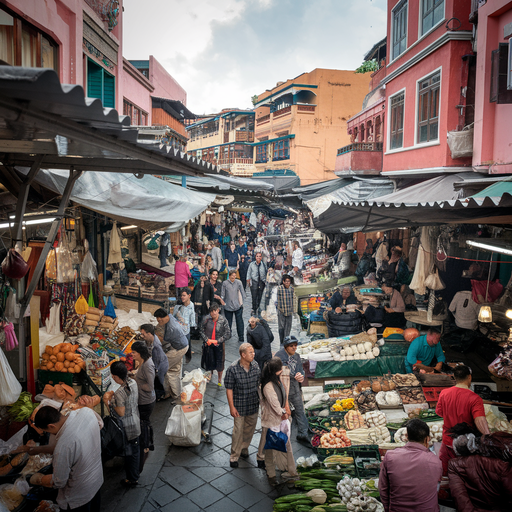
{"x": 239, "y": 321}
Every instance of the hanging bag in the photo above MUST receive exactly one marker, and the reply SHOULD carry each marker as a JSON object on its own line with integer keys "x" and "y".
{"x": 276, "y": 441}
{"x": 10, "y": 388}
{"x": 14, "y": 266}
{"x": 81, "y": 306}
{"x": 109, "y": 310}
{"x": 91, "y": 302}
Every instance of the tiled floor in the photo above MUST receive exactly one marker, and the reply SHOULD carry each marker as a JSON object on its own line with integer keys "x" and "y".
{"x": 182, "y": 479}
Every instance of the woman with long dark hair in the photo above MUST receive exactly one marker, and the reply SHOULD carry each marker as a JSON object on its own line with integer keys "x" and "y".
{"x": 145, "y": 379}
{"x": 125, "y": 405}
{"x": 274, "y": 410}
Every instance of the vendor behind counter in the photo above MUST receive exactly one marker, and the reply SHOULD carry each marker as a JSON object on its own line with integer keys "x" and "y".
{"x": 425, "y": 352}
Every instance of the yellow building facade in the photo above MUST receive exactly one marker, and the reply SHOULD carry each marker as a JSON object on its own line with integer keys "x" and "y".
{"x": 300, "y": 123}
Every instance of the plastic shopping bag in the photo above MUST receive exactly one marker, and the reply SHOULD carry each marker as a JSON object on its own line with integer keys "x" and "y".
{"x": 184, "y": 426}
{"x": 14, "y": 442}
{"x": 276, "y": 441}
{"x": 10, "y": 388}
{"x": 109, "y": 310}
{"x": 285, "y": 427}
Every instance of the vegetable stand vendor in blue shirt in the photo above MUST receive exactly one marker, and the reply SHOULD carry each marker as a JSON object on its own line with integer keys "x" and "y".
{"x": 424, "y": 350}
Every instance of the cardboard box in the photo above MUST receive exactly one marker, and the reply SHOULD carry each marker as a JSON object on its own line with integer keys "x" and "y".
{"x": 502, "y": 384}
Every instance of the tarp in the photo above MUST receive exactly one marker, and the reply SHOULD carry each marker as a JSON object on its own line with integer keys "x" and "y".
{"x": 350, "y": 190}
{"x": 432, "y": 202}
{"x": 149, "y": 203}
{"x": 495, "y": 191}
{"x": 225, "y": 183}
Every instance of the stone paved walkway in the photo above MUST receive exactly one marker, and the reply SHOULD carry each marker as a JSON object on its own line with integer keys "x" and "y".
{"x": 193, "y": 479}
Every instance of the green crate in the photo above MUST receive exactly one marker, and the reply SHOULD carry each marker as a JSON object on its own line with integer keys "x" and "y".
{"x": 328, "y": 387}
{"x": 47, "y": 377}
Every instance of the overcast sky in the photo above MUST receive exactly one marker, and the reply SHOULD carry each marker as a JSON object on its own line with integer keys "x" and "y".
{"x": 222, "y": 52}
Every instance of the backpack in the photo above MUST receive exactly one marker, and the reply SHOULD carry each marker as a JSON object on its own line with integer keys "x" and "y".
{"x": 268, "y": 329}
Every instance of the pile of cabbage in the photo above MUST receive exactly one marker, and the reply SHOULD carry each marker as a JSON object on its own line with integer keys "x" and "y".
{"x": 355, "y": 494}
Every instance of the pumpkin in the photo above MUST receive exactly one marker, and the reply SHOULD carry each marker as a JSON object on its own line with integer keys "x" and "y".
{"x": 60, "y": 357}
{"x": 48, "y": 350}
{"x": 59, "y": 366}
{"x": 70, "y": 356}
{"x": 411, "y": 334}
{"x": 45, "y": 357}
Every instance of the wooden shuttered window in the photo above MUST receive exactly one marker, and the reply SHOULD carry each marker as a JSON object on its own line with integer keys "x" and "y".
{"x": 101, "y": 84}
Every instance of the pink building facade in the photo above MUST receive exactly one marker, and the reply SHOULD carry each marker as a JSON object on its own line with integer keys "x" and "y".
{"x": 425, "y": 90}
{"x": 82, "y": 41}
{"x": 492, "y": 142}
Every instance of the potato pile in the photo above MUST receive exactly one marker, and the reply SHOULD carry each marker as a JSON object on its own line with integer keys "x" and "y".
{"x": 364, "y": 385}
{"x": 366, "y": 402}
{"x": 405, "y": 380}
{"x": 412, "y": 396}
{"x": 62, "y": 358}
{"x": 382, "y": 384}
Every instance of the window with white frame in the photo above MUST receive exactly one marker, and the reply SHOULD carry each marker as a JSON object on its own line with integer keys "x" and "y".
{"x": 509, "y": 67}
{"x": 396, "y": 131}
{"x": 432, "y": 12}
{"x": 428, "y": 108}
{"x": 399, "y": 29}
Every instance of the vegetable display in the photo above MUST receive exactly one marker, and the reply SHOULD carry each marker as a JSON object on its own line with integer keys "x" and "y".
{"x": 388, "y": 398}
{"x": 62, "y": 358}
{"x": 412, "y": 395}
{"x": 359, "y": 495}
{"x": 375, "y": 419}
{"x": 354, "y": 419}
{"x": 340, "y": 393}
{"x": 343, "y": 405}
{"x": 22, "y": 409}
{"x": 382, "y": 384}
{"x": 405, "y": 380}
{"x": 335, "y": 439}
{"x": 366, "y": 401}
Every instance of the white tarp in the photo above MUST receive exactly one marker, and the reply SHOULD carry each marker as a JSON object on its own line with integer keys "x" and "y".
{"x": 150, "y": 203}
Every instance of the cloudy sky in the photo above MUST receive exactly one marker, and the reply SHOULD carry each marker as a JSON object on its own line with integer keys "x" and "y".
{"x": 222, "y": 52}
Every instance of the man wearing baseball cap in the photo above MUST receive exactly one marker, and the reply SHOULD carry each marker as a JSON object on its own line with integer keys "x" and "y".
{"x": 292, "y": 361}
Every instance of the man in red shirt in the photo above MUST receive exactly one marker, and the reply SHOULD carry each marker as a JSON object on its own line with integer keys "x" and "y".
{"x": 459, "y": 404}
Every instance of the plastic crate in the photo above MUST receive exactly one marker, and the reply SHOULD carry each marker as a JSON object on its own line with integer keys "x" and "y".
{"x": 432, "y": 393}
{"x": 47, "y": 377}
{"x": 366, "y": 453}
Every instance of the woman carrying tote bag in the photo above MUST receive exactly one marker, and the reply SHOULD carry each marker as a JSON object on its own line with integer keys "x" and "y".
{"x": 275, "y": 410}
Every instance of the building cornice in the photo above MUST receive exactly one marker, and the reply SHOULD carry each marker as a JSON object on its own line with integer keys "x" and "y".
{"x": 135, "y": 73}
{"x": 428, "y": 170}
{"x": 441, "y": 41}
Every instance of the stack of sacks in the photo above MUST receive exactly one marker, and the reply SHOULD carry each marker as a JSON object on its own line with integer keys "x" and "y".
{"x": 108, "y": 323}
{"x": 92, "y": 318}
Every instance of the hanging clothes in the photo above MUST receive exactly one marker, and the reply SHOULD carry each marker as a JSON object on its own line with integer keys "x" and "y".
{"x": 114, "y": 252}
{"x": 53, "y": 323}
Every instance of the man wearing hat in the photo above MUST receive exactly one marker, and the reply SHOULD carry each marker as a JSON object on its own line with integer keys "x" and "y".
{"x": 296, "y": 374}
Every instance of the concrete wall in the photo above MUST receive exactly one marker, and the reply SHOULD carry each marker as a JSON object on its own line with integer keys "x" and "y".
{"x": 165, "y": 85}
{"x": 137, "y": 89}
{"x": 492, "y": 142}
{"x": 354, "y": 162}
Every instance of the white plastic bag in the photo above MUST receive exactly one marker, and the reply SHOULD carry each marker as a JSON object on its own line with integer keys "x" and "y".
{"x": 285, "y": 428}
{"x": 10, "y": 388}
{"x": 88, "y": 268}
{"x": 184, "y": 426}
{"x": 14, "y": 442}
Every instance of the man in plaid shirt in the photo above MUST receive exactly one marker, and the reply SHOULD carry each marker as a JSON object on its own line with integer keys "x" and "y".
{"x": 285, "y": 307}
{"x": 241, "y": 382}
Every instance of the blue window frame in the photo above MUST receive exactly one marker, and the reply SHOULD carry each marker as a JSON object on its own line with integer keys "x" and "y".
{"x": 261, "y": 153}
{"x": 281, "y": 150}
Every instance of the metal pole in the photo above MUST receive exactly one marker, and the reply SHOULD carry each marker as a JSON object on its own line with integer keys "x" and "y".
{"x": 50, "y": 239}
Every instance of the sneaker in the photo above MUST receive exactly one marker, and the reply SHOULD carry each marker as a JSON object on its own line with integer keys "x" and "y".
{"x": 233, "y": 463}
{"x": 289, "y": 477}
{"x": 261, "y": 464}
{"x": 245, "y": 453}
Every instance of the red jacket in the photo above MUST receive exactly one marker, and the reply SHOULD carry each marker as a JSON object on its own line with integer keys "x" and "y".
{"x": 481, "y": 484}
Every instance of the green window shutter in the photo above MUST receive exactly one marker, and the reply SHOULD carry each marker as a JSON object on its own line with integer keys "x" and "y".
{"x": 109, "y": 90}
{"x": 94, "y": 80}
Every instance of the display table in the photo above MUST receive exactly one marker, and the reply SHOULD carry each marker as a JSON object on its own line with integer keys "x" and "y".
{"x": 391, "y": 360}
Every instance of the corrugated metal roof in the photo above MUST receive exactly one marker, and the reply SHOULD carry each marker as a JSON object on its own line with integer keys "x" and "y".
{"x": 38, "y": 115}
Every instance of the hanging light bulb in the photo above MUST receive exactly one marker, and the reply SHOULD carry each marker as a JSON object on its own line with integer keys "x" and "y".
{"x": 508, "y": 314}
{"x": 485, "y": 314}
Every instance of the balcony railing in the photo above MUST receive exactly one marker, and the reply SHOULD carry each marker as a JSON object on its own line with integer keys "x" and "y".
{"x": 361, "y": 146}
{"x": 229, "y": 161}
{"x": 305, "y": 108}
{"x": 243, "y": 136}
{"x": 283, "y": 111}
{"x": 263, "y": 119}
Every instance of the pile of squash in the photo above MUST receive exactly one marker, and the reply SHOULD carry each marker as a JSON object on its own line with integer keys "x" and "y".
{"x": 62, "y": 358}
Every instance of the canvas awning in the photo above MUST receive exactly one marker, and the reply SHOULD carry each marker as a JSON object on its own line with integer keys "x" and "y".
{"x": 149, "y": 202}
{"x": 434, "y": 201}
